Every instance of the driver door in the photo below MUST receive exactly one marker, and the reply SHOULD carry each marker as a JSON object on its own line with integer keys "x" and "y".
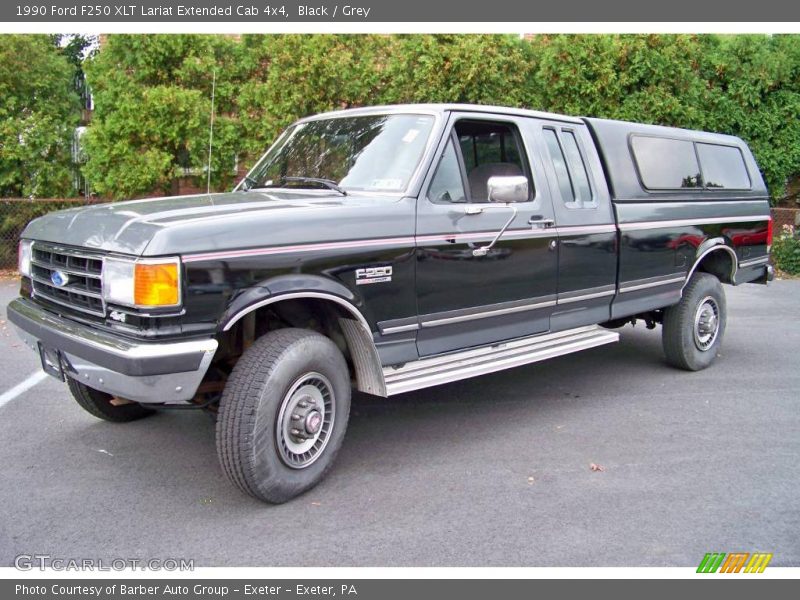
{"x": 465, "y": 298}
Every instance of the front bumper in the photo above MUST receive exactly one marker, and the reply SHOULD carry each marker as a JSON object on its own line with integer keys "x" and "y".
{"x": 147, "y": 372}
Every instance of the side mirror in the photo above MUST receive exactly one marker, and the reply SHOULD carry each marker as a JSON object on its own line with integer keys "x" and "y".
{"x": 508, "y": 189}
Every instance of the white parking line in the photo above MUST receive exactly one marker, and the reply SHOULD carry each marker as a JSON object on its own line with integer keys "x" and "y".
{"x": 22, "y": 387}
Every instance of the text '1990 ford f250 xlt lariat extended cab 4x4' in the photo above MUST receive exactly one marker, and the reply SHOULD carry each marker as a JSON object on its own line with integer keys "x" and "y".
{"x": 389, "y": 249}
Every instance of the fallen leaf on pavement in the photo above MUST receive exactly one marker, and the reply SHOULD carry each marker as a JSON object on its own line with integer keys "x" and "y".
{"x": 595, "y": 467}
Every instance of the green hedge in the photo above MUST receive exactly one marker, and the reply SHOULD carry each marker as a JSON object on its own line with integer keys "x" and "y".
{"x": 152, "y": 92}
{"x": 39, "y": 110}
{"x": 786, "y": 251}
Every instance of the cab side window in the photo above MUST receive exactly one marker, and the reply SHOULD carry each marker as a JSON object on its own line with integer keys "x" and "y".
{"x": 570, "y": 167}
{"x": 489, "y": 149}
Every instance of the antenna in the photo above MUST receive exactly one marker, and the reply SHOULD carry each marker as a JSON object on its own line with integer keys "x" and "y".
{"x": 211, "y": 133}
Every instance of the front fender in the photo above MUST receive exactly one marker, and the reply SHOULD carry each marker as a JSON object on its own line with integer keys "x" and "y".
{"x": 296, "y": 285}
{"x": 357, "y": 331}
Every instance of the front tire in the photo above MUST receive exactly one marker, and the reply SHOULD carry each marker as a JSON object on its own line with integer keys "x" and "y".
{"x": 103, "y": 406}
{"x": 283, "y": 414}
{"x": 693, "y": 328}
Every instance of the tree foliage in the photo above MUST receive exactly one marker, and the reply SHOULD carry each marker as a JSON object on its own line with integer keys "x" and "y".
{"x": 38, "y": 113}
{"x": 291, "y": 76}
{"x": 153, "y": 108}
{"x": 480, "y": 69}
{"x": 756, "y": 81}
{"x": 152, "y": 92}
{"x": 746, "y": 86}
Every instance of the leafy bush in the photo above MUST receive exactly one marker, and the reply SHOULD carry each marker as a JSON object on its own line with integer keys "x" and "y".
{"x": 786, "y": 251}
{"x": 38, "y": 113}
{"x": 152, "y": 98}
{"x": 152, "y": 92}
{"x": 286, "y": 77}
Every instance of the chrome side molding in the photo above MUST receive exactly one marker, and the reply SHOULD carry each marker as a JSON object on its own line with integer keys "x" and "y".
{"x": 505, "y": 308}
{"x": 761, "y": 260}
{"x": 637, "y": 225}
{"x": 639, "y": 284}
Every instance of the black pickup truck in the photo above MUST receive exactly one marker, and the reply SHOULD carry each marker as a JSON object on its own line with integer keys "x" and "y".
{"x": 389, "y": 249}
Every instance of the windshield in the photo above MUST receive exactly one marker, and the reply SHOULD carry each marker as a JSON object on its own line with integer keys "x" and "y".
{"x": 366, "y": 153}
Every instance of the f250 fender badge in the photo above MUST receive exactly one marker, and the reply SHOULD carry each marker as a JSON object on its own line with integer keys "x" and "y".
{"x": 373, "y": 275}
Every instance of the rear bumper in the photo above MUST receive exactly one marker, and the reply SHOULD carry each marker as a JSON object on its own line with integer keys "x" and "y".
{"x": 770, "y": 274}
{"x": 147, "y": 372}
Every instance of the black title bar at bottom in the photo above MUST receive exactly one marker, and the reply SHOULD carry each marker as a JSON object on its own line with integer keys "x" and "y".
{"x": 387, "y": 589}
{"x": 435, "y": 11}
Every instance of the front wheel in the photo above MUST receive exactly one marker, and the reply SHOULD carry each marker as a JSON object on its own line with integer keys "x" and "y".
{"x": 105, "y": 406}
{"x": 283, "y": 414}
{"x": 693, "y": 328}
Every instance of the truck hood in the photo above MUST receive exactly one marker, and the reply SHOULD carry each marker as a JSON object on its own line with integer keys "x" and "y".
{"x": 208, "y": 222}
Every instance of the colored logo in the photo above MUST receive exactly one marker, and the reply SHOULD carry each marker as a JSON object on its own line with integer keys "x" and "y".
{"x": 59, "y": 278}
{"x": 736, "y": 562}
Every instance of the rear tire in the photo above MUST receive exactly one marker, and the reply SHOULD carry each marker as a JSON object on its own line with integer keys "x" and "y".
{"x": 693, "y": 328}
{"x": 99, "y": 404}
{"x": 283, "y": 414}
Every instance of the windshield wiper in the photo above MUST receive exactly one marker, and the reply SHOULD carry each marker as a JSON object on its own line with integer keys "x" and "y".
{"x": 331, "y": 185}
{"x": 249, "y": 182}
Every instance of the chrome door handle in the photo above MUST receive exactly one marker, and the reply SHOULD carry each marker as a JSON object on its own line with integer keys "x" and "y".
{"x": 537, "y": 220}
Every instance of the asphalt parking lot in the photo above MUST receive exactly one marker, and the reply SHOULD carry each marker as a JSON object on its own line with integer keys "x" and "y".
{"x": 493, "y": 471}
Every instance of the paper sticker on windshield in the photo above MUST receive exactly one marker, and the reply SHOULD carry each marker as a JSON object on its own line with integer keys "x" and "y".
{"x": 410, "y": 136}
{"x": 387, "y": 184}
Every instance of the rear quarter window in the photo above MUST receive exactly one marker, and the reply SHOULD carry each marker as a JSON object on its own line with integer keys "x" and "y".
{"x": 665, "y": 163}
{"x": 723, "y": 167}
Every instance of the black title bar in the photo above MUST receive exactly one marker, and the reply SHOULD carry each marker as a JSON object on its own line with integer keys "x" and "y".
{"x": 382, "y": 589}
{"x": 392, "y": 11}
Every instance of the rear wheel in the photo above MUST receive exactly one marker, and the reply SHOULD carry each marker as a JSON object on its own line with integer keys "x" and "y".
{"x": 283, "y": 414}
{"x": 693, "y": 328}
{"x": 105, "y": 406}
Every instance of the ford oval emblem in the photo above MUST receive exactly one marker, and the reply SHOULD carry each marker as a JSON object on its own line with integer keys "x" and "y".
{"x": 59, "y": 278}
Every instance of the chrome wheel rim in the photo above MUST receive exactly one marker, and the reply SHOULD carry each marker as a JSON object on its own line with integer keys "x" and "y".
{"x": 706, "y": 323}
{"x": 305, "y": 420}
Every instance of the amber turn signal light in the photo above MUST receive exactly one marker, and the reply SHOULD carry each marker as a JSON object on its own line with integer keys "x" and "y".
{"x": 156, "y": 284}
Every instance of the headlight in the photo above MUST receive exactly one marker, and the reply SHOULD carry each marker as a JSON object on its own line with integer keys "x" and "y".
{"x": 142, "y": 283}
{"x": 24, "y": 263}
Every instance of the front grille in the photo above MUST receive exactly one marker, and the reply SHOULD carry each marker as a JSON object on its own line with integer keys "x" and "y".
{"x": 83, "y": 290}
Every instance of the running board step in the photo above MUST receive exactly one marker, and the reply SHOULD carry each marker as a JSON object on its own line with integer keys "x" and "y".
{"x": 445, "y": 368}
